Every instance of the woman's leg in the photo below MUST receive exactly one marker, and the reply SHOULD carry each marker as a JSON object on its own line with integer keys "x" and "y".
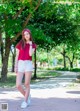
{"x": 19, "y": 78}
{"x": 27, "y": 84}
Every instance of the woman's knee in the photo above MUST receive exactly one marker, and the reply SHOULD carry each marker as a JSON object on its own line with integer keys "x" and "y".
{"x": 27, "y": 85}
{"x": 18, "y": 86}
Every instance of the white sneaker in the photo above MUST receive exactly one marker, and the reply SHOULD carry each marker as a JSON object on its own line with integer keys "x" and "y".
{"x": 24, "y": 104}
{"x": 29, "y": 100}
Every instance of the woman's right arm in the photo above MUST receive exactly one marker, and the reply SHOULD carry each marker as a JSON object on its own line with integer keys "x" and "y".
{"x": 16, "y": 60}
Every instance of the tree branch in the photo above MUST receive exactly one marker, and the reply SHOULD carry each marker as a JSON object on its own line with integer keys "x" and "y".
{"x": 38, "y": 5}
{"x": 68, "y": 58}
{"x": 17, "y": 35}
{"x": 18, "y": 13}
{"x": 73, "y": 57}
{"x": 29, "y": 16}
{"x": 26, "y": 21}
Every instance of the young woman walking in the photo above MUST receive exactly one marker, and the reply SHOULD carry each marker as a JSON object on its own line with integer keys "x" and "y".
{"x": 23, "y": 65}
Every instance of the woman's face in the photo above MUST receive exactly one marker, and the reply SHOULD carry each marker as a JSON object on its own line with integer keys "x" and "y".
{"x": 26, "y": 36}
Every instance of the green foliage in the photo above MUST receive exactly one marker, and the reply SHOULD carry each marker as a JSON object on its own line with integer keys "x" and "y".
{"x": 37, "y": 34}
{"x": 8, "y": 24}
{"x": 75, "y": 69}
{"x": 10, "y": 16}
{"x": 55, "y": 22}
{"x": 61, "y": 69}
{"x": 59, "y": 22}
{"x": 67, "y": 69}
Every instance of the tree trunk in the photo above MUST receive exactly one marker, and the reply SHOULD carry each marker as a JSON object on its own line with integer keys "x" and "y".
{"x": 5, "y": 60}
{"x": 35, "y": 66}
{"x": 71, "y": 64}
{"x": 1, "y": 48}
{"x": 13, "y": 59}
{"x": 13, "y": 62}
{"x": 64, "y": 58}
{"x": 47, "y": 58}
{"x": 2, "y": 52}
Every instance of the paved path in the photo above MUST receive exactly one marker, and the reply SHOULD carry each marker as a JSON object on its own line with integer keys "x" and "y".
{"x": 66, "y": 78}
{"x": 55, "y": 94}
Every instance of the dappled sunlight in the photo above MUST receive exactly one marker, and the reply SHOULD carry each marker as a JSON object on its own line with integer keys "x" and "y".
{"x": 56, "y": 92}
{"x": 14, "y": 95}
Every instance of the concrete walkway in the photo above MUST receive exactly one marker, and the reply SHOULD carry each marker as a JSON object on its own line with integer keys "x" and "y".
{"x": 55, "y": 94}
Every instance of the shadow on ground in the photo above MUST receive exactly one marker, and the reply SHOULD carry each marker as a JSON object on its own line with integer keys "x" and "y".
{"x": 44, "y": 104}
{"x": 73, "y": 92}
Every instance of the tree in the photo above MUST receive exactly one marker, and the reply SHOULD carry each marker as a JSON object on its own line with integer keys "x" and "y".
{"x": 17, "y": 18}
{"x": 58, "y": 24}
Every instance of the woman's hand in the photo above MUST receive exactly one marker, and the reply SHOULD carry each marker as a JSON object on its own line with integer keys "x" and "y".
{"x": 30, "y": 42}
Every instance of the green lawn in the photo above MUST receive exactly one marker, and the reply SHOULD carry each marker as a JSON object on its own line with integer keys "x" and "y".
{"x": 41, "y": 76}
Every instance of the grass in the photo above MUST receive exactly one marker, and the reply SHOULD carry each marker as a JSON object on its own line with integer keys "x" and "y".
{"x": 68, "y": 69}
{"x": 10, "y": 82}
{"x": 41, "y": 76}
{"x": 61, "y": 69}
{"x": 75, "y": 69}
{"x": 47, "y": 74}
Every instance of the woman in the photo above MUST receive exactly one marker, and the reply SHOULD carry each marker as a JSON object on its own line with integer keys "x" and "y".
{"x": 23, "y": 64}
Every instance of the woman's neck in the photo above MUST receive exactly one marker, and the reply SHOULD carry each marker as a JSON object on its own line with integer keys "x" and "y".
{"x": 28, "y": 41}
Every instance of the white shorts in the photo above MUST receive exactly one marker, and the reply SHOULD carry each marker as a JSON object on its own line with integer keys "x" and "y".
{"x": 25, "y": 66}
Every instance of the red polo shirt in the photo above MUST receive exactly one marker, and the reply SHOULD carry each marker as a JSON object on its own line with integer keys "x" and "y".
{"x": 24, "y": 53}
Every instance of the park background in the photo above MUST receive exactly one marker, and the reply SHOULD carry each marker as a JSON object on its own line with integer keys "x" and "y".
{"x": 55, "y": 27}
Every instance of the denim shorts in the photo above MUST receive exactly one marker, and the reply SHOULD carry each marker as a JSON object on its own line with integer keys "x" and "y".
{"x": 25, "y": 66}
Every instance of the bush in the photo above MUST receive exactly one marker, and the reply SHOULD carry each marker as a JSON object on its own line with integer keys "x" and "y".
{"x": 62, "y": 69}
{"x": 75, "y": 69}
{"x": 67, "y": 69}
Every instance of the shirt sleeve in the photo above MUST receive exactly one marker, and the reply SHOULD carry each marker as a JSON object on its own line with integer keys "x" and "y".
{"x": 18, "y": 46}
